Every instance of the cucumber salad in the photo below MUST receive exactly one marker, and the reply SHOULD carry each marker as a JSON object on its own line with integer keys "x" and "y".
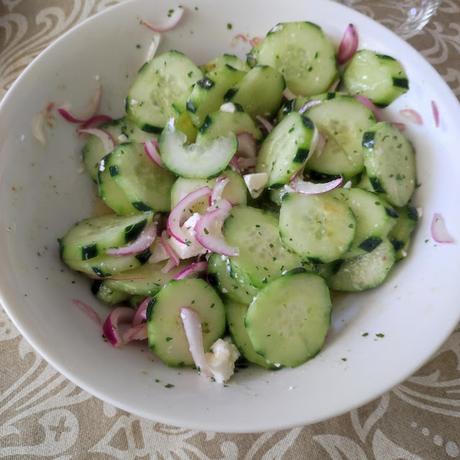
{"x": 242, "y": 194}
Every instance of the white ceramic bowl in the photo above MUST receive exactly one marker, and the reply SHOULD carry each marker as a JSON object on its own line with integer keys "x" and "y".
{"x": 42, "y": 194}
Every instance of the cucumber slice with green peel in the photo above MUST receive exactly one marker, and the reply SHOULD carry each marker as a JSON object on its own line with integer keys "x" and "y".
{"x": 208, "y": 93}
{"x": 261, "y": 257}
{"x": 342, "y": 121}
{"x": 122, "y": 130}
{"x": 290, "y": 329}
{"x": 110, "y": 296}
{"x": 303, "y": 54}
{"x": 389, "y": 158}
{"x": 286, "y": 149}
{"x": 196, "y": 161}
{"x": 146, "y": 185}
{"x": 318, "y": 227}
{"x": 236, "y": 313}
{"x": 221, "y": 123}
{"x": 235, "y": 191}
{"x": 378, "y": 77}
{"x": 228, "y": 281}
{"x": 161, "y": 90}
{"x": 259, "y": 92}
{"x": 145, "y": 281}
{"x": 374, "y": 219}
{"x": 91, "y": 238}
{"x": 111, "y": 193}
{"x": 165, "y": 330}
{"x": 366, "y": 271}
{"x": 226, "y": 59}
{"x": 400, "y": 235}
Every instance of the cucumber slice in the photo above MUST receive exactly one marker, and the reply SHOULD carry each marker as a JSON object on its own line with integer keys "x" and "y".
{"x": 165, "y": 331}
{"x": 236, "y": 313}
{"x": 286, "y": 149}
{"x": 389, "y": 158}
{"x": 401, "y": 233}
{"x": 161, "y": 90}
{"x": 303, "y": 55}
{"x": 342, "y": 120}
{"x": 196, "y": 161}
{"x": 226, "y": 59}
{"x": 379, "y": 77}
{"x": 208, "y": 93}
{"x": 223, "y": 123}
{"x": 374, "y": 219}
{"x": 145, "y": 281}
{"x": 259, "y": 92}
{"x": 319, "y": 227}
{"x": 108, "y": 295}
{"x": 228, "y": 281}
{"x": 366, "y": 271}
{"x": 110, "y": 192}
{"x": 235, "y": 191}
{"x": 290, "y": 329}
{"x": 146, "y": 185}
{"x": 261, "y": 257}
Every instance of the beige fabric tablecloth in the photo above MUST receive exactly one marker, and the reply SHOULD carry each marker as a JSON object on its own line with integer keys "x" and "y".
{"x": 43, "y": 415}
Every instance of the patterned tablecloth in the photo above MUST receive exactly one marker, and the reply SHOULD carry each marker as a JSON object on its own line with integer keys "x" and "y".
{"x": 43, "y": 415}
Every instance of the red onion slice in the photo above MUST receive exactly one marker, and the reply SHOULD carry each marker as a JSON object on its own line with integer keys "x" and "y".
{"x": 255, "y": 41}
{"x": 158, "y": 252}
{"x": 310, "y": 188}
{"x": 370, "y": 105}
{"x": 400, "y": 126}
{"x": 141, "y": 313}
{"x": 169, "y": 24}
{"x": 218, "y": 190}
{"x": 288, "y": 94}
{"x": 193, "y": 269}
{"x": 308, "y": 105}
{"x": 110, "y": 328}
{"x": 412, "y": 115}
{"x": 90, "y": 111}
{"x": 246, "y": 145}
{"x": 183, "y": 210}
{"x": 142, "y": 242}
{"x": 103, "y": 136}
{"x": 151, "y": 150}
{"x": 348, "y": 45}
{"x": 436, "y": 114}
{"x": 173, "y": 257}
{"x": 209, "y": 230}
{"x": 138, "y": 332}
{"x": 439, "y": 230}
{"x": 88, "y": 311}
{"x": 192, "y": 328}
{"x": 334, "y": 86}
{"x": 265, "y": 123}
{"x": 96, "y": 120}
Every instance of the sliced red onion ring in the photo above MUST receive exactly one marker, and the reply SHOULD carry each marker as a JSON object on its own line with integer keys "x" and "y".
{"x": 38, "y": 128}
{"x": 218, "y": 190}
{"x": 96, "y": 120}
{"x": 265, "y": 123}
{"x": 156, "y": 40}
{"x": 308, "y": 105}
{"x": 158, "y": 252}
{"x": 255, "y": 41}
{"x": 334, "y": 86}
{"x": 112, "y": 323}
{"x": 209, "y": 230}
{"x": 138, "y": 332}
{"x": 319, "y": 142}
{"x": 193, "y": 269}
{"x": 170, "y": 23}
{"x": 400, "y": 126}
{"x": 348, "y": 45}
{"x": 87, "y": 310}
{"x": 173, "y": 257}
{"x": 103, "y": 136}
{"x": 90, "y": 111}
{"x": 151, "y": 150}
{"x": 142, "y": 242}
{"x": 439, "y": 230}
{"x": 370, "y": 105}
{"x": 412, "y": 115}
{"x": 183, "y": 210}
{"x": 310, "y": 188}
{"x": 436, "y": 114}
{"x": 192, "y": 328}
{"x": 169, "y": 265}
{"x": 246, "y": 145}
{"x": 141, "y": 313}
{"x": 235, "y": 165}
{"x": 288, "y": 94}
